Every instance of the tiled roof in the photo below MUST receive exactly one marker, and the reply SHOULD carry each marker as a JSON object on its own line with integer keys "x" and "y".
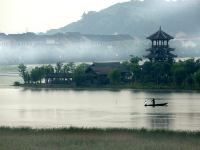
{"x": 160, "y": 35}
{"x": 105, "y": 68}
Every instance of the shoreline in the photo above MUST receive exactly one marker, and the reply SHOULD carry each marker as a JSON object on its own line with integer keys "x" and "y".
{"x": 98, "y": 139}
{"x": 120, "y": 87}
{"x": 101, "y": 130}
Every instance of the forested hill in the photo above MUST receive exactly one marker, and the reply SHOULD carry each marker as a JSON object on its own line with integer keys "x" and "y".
{"x": 140, "y": 18}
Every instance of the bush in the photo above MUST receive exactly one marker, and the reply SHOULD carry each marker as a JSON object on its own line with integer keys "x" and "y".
{"x": 16, "y": 83}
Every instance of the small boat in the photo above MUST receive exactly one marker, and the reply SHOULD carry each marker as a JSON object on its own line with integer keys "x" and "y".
{"x": 161, "y": 104}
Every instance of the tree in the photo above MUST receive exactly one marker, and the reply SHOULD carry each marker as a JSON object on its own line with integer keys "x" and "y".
{"x": 135, "y": 70}
{"x": 59, "y": 66}
{"x": 190, "y": 80}
{"x": 161, "y": 72}
{"x": 48, "y": 69}
{"x": 37, "y": 74}
{"x": 79, "y": 76}
{"x": 179, "y": 74}
{"x": 27, "y": 77}
{"x": 146, "y": 72}
{"x": 22, "y": 70}
{"x": 190, "y": 66}
{"x": 197, "y": 77}
{"x": 69, "y": 68}
{"x": 135, "y": 60}
{"x": 114, "y": 76}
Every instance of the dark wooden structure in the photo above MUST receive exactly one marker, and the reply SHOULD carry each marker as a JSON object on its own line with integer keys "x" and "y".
{"x": 160, "y": 50}
{"x": 97, "y": 73}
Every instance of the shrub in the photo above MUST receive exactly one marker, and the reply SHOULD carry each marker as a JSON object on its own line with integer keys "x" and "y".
{"x": 16, "y": 83}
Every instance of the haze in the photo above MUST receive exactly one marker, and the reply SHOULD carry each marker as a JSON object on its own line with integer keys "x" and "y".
{"x": 74, "y": 42}
{"x": 19, "y": 16}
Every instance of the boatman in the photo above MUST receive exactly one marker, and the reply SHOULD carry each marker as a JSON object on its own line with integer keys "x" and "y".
{"x": 153, "y": 101}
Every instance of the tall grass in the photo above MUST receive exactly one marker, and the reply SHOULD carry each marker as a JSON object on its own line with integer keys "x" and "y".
{"x": 96, "y": 139}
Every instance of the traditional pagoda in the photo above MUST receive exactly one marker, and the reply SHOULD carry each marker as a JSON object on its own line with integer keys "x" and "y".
{"x": 160, "y": 50}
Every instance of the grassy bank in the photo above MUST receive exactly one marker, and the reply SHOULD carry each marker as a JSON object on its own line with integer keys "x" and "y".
{"x": 96, "y": 139}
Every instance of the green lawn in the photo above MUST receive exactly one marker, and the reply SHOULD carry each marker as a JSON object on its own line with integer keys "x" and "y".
{"x": 96, "y": 139}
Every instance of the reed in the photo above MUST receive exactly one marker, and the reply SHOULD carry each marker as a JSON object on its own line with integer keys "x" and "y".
{"x": 96, "y": 139}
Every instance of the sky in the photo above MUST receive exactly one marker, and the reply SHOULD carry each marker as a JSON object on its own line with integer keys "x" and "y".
{"x": 18, "y": 16}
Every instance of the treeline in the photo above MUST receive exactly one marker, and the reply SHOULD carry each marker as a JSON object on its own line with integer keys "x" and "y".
{"x": 180, "y": 74}
{"x": 37, "y": 75}
{"x": 173, "y": 74}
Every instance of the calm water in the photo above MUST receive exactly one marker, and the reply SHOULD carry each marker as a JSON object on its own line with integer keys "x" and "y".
{"x": 91, "y": 108}
{"x": 48, "y": 108}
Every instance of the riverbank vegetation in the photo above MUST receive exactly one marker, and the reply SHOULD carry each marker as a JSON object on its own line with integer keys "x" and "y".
{"x": 130, "y": 74}
{"x": 98, "y": 139}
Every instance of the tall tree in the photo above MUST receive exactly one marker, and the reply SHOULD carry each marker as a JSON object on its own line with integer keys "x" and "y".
{"x": 37, "y": 74}
{"x": 22, "y": 70}
{"x": 79, "y": 74}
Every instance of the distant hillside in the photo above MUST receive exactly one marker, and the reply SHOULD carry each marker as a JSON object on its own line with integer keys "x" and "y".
{"x": 140, "y": 18}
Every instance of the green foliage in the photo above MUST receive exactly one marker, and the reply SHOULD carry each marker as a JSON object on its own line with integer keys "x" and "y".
{"x": 190, "y": 66}
{"x": 37, "y": 74}
{"x": 79, "y": 74}
{"x": 114, "y": 76}
{"x": 27, "y": 77}
{"x": 22, "y": 71}
{"x": 16, "y": 83}
{"x": 159, "y": 74}
{"x": 59, "y": 66}
{"x": 21, "y": 68}
{"x": 69, "y": 68}
{"x": 135, "y": 60}
{"x": 179, "y": 73}
{"x": 197, "y": 76}
{"x": 190, "y": 80}
{"x": 135, "y": 70}
{"x": 48, "y": 69}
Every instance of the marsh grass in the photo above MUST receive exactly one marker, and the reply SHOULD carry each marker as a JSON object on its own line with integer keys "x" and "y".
{"x": 96, "y": 139}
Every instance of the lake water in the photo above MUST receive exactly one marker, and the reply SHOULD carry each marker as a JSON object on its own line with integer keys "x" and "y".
{"x": 48, "y": 108}
{"x": 98, "y": 108}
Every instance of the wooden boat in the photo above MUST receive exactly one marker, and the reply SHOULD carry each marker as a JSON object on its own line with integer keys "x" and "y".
{"x": 161, "y": 104}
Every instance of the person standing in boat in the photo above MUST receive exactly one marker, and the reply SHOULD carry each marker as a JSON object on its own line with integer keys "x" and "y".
{"x": 153, "y": 101}
{"x": 145, "y": 103}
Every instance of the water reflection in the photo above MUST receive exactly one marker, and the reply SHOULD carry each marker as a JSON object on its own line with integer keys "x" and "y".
{"x": 98, "y": 108}
{"x": 160, "y": 121}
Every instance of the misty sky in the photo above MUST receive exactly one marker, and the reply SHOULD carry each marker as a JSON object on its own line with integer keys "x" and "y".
{"x": 18, "y": 16}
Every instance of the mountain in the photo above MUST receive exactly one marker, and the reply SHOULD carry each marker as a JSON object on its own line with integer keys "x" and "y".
{"x": 140, "y": 18}
{"x": 179, "y": 18}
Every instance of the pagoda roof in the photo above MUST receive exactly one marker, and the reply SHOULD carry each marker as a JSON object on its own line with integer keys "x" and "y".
{"x": 160, "y": 35}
